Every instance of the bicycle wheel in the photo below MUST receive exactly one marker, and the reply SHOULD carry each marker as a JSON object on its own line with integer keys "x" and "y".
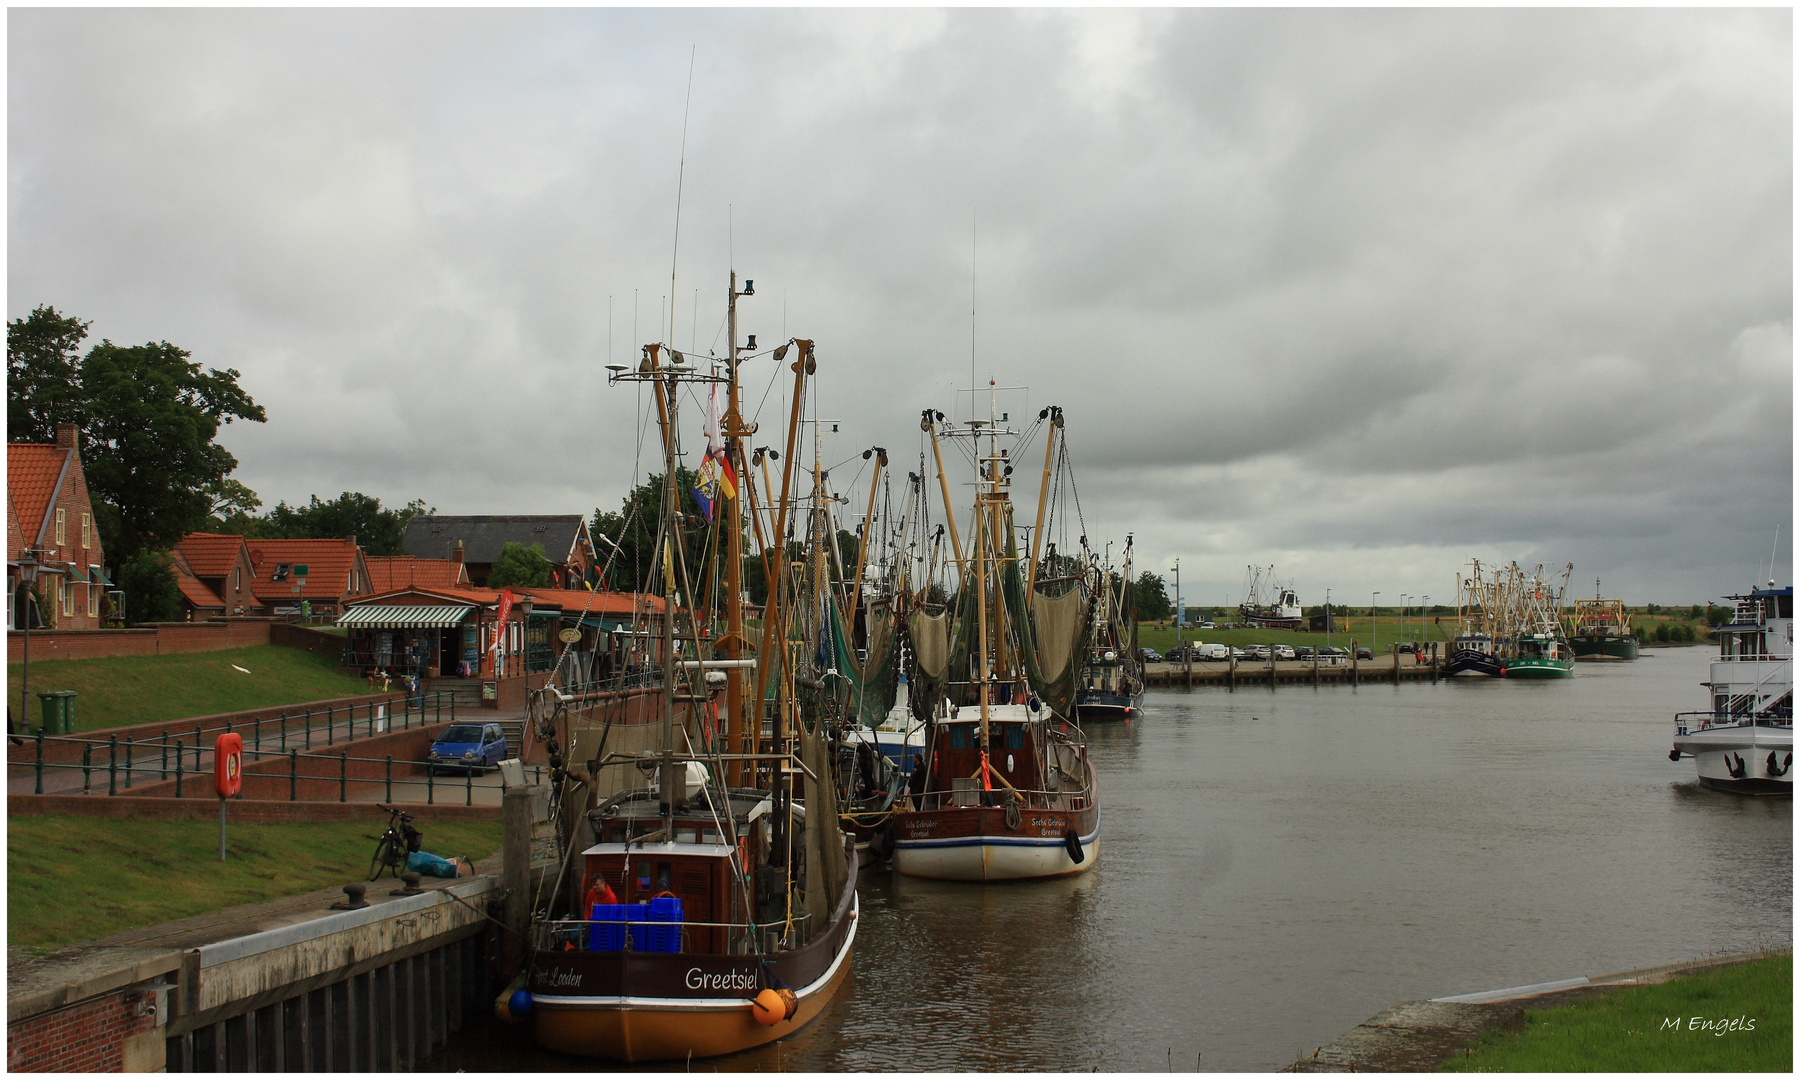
{"x": 386, "y": 857}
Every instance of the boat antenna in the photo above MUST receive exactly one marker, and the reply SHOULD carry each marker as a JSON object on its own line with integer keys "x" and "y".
{"x": 680, "y": 178}
{"x": 1772, "y": 550}
{"x": 972, "y": 305}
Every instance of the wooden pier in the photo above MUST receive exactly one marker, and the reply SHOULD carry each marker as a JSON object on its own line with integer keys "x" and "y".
{"x": 1391, "y": 668}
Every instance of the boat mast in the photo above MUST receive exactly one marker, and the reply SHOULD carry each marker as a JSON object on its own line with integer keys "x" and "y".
{"x": 937, "y": 455}
{"x": 671, "y": 522}
{"x": 736, "y": 723}
{"x": 1037, "y": 534}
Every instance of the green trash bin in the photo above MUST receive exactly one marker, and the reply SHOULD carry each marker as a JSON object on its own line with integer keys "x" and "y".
{"x": 51, "y": 702}
{"x": 68, "y": 712}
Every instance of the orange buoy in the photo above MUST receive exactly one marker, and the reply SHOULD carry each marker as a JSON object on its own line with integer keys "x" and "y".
{"x": 768, "y": 1008}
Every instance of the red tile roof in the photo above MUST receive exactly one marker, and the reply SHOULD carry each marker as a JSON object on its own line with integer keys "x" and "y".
{"x": 328, "y": 564}
{"x": 196, "y": 594}
{"x": 465, "y": 594}
{"x": 210, "y": 554}
{"x": 31, "y": 473}
{"x": 15, "y": 540}
{"x": 387, "y": 572}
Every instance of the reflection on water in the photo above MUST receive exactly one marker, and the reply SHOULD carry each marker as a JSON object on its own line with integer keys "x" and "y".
{"x": 1278, "y": 866}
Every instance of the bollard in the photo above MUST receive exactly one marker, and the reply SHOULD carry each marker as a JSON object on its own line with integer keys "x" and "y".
{"x": 178, "y": 750}
{"x": 293, "y": 775}
{"x": 1231, "y": 673}
{"x": 112, "y": 764}
{"x": 343, "y": 772}
{"x": 390, "y": 778}
{"x": 39, "y": 790}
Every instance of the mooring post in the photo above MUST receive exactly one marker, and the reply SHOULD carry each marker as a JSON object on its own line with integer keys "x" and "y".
{"x": 1396, "y": 648}
{"x": 1434, "y": 663}
{"x": 1231, "y": 673}
{"x": 1271, "y": 669}
{"x": 1355, "y": 663}
{"x": 1315, "y": 667}
{"x": 516, "y": 875}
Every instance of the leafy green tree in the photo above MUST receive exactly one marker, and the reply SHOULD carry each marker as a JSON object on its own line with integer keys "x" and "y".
{"x": 151, "y": 594}
{"x": 634, "y": 526}
{"x": 380, "y": 532}
{"x": 1152, "y": 597}
{"x": 147, "y": 417}
{"x": 520, "y": 565}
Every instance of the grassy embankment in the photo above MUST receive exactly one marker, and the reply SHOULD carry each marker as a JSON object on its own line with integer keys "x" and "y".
{"x": 119, "y": 690}
{"x": 1685, "y": 1025}
{"x": 76, "y": 879}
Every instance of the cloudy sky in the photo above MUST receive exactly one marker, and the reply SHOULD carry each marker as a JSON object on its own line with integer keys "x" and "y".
{"x": 1359, "y": 294}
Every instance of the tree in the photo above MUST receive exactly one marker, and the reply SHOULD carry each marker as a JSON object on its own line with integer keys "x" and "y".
{"x": 1151, "y": 597}
{"x": 520, "y": 565}
{"x": 147, "y": 417}
{"x": 634, "y": 528}
{"x": 151, "y": 594}
{"x": 380, "y": 532}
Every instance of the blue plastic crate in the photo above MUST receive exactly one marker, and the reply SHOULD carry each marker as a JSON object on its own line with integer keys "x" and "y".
{"x": 665, "y": 925}
{"x": 607, "y": 937}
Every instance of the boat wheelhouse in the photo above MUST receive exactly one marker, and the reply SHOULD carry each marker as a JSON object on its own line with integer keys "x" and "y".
{"x": 1745, "y": 742}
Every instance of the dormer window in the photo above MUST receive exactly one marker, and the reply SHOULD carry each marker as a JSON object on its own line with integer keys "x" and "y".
{"x": 281, "y": 571}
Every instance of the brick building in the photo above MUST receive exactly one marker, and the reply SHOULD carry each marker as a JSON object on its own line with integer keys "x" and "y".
{"x": 480, "y": 538}
{"x": 323, "y": 574}
{"x": 220, "y": 564}
{"x": 49, "y": 514}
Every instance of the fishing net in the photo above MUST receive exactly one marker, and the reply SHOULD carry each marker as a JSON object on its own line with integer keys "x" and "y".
{"x": 826, "y": 868}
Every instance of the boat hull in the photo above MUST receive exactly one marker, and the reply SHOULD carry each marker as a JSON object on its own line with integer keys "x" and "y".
{"x": 976, "y": 844}
{"x": 1473, "y": 663}
{"x": 1099, "y": 705}
{"x": 1604, "y": 648}
{"x": 1747, "y": 759}
{"x": 631, "y": 1006}
{"x": 1539, "y": 668}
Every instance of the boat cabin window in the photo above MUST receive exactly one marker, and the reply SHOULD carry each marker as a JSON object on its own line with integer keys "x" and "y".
{"x": 687, "y": 835}
{"x": 1015, "y": 737}
{"x": 959, "y": 737}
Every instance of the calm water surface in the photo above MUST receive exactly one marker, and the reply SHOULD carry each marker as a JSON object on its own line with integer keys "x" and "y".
{"x": 1278, "y": 866}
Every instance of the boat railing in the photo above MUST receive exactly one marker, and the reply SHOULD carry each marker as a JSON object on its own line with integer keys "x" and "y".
{"x": 555, "y": 934}
{"x": 1688, "y": 723}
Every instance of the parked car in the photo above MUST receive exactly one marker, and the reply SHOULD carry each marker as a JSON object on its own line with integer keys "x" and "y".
{"x": 1363, "y": 653}
{"x": 1256, "y": 652}
{"x": 1303, "y": 652}
{"x": 1406, "y": 647}
{"x": 1331, "y": 654}
{"x": 1284, "y": 652}
{"x": 1183, "y": 652}
{"x": 470, "y": 747}
{"x": 1207, "y": 625}
{"x": 1149, "y": 655}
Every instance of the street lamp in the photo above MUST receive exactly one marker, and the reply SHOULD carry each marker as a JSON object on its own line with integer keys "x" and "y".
{"x": 1328, "y": 618}
{"x": 1372, "y": 597}
{"x": 1177, "y": 572}
{"x": 28, "y": 572}
{"x": 1424, "y": 606}
{"x": 1405, "y": 610}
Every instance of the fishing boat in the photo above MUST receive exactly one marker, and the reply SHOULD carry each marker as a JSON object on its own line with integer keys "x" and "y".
{"x": 1745, "y": 742}
{"x": 1474, "y": 652}
{"x": 1267, "y": 602}
{"x": 710, "y": 907}
{"x": 1006, "y": 790}
{"x": 1530, "y": 604}
{"x": 1112, "y": 679}
{"x": 1601, "y": 629}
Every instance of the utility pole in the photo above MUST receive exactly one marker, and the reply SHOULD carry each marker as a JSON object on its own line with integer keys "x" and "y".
{"x": 1372, "y": 597}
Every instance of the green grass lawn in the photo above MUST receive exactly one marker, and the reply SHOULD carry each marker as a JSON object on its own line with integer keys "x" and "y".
{"x": 119, "y": 690}
{"x": 76, "y": 879}
{"x": 1162, "y": 639}
{"x": 1736, "y": 1019}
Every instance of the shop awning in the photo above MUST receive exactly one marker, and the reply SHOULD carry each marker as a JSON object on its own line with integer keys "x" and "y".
{"x": 405, "y": 616}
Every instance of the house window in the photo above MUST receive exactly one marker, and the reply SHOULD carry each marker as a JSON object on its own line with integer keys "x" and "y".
{"x": 93, "y": 594}
{"x": 65, "y": 596}
{"x": 59, "y": 529}
{"x": 237, "y": 578}
{"x": 87, "y": 531}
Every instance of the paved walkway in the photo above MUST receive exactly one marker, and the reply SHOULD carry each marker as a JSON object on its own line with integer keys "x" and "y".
{"x": 150, "y": 762}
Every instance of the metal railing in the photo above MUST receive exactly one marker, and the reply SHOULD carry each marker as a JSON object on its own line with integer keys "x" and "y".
{"x": 555, "y": 933}
{"x": 1689, "y": 722}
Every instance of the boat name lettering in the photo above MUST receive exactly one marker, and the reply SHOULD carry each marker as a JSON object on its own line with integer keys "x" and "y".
{"x": 555, "y": 977}
{"x": 730, "y": 980}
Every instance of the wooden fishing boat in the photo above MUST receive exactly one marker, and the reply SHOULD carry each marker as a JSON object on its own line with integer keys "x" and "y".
{"x": 1006, "y": 791}
{"x": 1112, "y": 680}
{"x": 711, "y": 906}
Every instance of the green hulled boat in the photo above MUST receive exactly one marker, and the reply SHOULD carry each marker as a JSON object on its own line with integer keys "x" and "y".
{"x": 1540, "y": 656}
{"x": 1601, "y": 629}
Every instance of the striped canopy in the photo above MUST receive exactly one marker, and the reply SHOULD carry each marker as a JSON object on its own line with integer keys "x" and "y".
{"x": 405, "y": 616}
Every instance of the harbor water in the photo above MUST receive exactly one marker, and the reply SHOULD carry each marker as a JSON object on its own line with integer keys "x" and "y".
{"x": 1279, "y": 865}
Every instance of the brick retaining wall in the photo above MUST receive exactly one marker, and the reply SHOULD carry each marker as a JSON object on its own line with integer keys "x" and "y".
{"x": 93, "y": 1036}
{"x": 154, "y": 640}
{"x": 247, "y": 812}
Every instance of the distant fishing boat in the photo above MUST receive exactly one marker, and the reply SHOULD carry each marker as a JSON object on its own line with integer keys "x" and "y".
{"x": 1601, "y": 629}
{"x": 1112, "y": 680}
{"x": 1529, "y": 604}
{"x": 1745, "y": 742}
{"x": 1006, "y": 790}
{"x": 1474, "y": 651}
{"x": 1267, "y": 602}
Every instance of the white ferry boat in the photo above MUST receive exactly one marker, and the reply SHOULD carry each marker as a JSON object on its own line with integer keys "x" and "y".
{"x": 1745, "y": 743}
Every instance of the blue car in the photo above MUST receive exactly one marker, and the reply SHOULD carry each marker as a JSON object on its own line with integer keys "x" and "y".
{"x": 470, "y": 747}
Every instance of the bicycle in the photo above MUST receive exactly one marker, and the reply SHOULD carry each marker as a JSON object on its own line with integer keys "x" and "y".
{"x": 393, "y": 845}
